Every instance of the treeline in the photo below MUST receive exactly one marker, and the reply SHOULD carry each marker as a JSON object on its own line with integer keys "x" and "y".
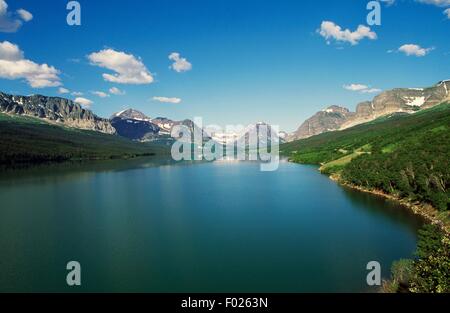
{"x": 429, "y": 272}
{"x": 418, "y": 169}
{"x": 404, "y": 155}
{"x": 28, "y": 141}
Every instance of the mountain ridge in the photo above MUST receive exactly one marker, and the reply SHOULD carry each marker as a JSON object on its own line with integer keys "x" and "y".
{"x": 398, "y": 100}
{"x": 55, "y": 110}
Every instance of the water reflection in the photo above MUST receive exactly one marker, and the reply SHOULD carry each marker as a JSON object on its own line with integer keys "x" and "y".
{"x": 152, "y": 225}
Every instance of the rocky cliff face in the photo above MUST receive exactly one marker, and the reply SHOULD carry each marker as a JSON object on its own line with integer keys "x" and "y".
{"x": 57, "y": 110}
{"x": 330, "y": 119}
{"x": 399, "y": 101}
{"x": 402, "y": 100}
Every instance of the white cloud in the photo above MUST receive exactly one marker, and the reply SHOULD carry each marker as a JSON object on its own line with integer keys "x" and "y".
{"x": 10, "y": 22}
{"x": 180, "y": 64}
{"x": 355, "y": 87}
{"x": 13, "y": 65}
{"x": 167, "y": 100}
{"x": 439, "y": 3}
{"x": 128, "y": 69}
{"x": 361, "y": 88}
{"x": 100, "y": 94}
{"x": 116, "y": 91}
{"x": 25, "y": 15}
{"x": 3, "y": 7}
{"x": 10, "y": 52}
{"x": 414, "y": 50}
{"x": 63, "y": 90}
{"x": 388, "y": 2}
{"x": 83, "y": 101}
{"x": 76, "y": 93}
{"x": 330, "y": 30}
{"x": 447, "y": 13}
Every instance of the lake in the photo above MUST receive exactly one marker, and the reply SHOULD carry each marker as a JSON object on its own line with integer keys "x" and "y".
{"x": 151, "y": 226}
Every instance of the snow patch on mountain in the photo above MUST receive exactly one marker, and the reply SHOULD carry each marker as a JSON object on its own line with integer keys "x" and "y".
{"x": 414, "y": 101}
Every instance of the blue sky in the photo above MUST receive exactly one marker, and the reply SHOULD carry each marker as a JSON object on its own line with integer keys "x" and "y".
{"x": 251, "y": 60}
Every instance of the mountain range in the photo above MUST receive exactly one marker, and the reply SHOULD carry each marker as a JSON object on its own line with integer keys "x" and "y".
{"x": 55, "y": 110}
{"x": 130, "y": 123}
{"x": 136, "y": 126}
{"x": 400, "y": 100}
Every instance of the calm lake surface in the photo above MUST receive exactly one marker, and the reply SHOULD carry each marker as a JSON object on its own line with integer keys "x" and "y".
{"x": 149, "y": 226}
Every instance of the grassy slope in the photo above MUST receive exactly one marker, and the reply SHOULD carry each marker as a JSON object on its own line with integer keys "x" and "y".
{"x": 384, "y": 133}
{"x": 30, "y": 140}
{"x": 407, "y": 156}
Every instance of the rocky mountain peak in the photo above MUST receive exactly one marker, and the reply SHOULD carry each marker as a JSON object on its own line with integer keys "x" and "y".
{"x": 131, "y": 114}
{"x": 399, "y": 100}
{"x": 336, "y": 109}
{"x": 55, "y": 110}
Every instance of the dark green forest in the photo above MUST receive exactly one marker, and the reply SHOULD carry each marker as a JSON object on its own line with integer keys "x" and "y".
{"x": 403, "y": 155}
{"x": 25, "y": 140}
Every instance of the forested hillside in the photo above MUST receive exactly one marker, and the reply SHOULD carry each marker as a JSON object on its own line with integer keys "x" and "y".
{"x": 404, "y": 155}
{"x": 30, "y": 141}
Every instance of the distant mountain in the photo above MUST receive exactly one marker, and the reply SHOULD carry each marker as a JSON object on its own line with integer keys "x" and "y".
{"x": 55, "y": 110}
{"x": 132, "y": 115}
{"x": 401, "y": 100}
{"x": 134, "y": 125}
{"x": 254, "y": 131}
{"x": 330, "y": 119}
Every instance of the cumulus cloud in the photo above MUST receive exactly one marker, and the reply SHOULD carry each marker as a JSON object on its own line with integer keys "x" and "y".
{"x": 25, "y": 15}
{"x": 63, "y": 90}
{"x": 180, "y": 64}
{"x": 128, "y": 68}
{"x": 355, "y": 87}
{"x": 447, "y": 13}
{"x": 83, "y": 101}
{"x": 116, "y": 91}
{"x": 330, "y": 30}
{"x": 361, "y": 88}
{"x": 100, "y": 94}
{"x": 10, "y": 22}
{"x": 167, "y": 100}
{"x": 414, "y": 50}
{"x": 10, "y": 52}
{"x": 13, "y": 65}
{"x": 76, "y": 93}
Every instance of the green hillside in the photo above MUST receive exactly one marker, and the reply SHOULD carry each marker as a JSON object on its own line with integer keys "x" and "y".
{"x": 29, "y": 140}
{"x": 404, "y": 155}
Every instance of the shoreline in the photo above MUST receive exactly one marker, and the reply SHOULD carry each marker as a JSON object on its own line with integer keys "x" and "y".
{"x": 425, "y": 211}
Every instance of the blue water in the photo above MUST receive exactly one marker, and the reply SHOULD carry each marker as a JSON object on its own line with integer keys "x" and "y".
{"x": 214, "y": 227}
